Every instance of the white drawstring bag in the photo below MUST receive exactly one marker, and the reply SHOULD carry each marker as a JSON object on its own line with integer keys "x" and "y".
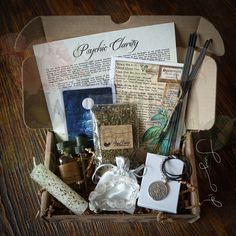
{"x": 117, "y": 189}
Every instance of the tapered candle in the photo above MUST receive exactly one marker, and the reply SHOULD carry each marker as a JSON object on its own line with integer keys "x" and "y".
{"x": 58, "y": 189}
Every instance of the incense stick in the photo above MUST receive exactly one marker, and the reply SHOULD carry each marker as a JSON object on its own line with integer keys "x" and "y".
{"x": 188, "y": 58}
{"x": 171, "y": 129}
{"x": 186, "y": 87}
{"x": 196, "y": 67}
{"x": 187, "y": 78}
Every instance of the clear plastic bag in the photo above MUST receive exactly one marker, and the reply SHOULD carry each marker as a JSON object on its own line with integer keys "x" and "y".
{"x": 115, "y": 131}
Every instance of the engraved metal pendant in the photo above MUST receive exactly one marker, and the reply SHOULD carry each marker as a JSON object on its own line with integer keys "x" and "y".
{"x": 158, "y": 190}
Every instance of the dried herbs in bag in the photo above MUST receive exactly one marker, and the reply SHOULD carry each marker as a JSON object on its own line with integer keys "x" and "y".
{"x": 115, "y": 131}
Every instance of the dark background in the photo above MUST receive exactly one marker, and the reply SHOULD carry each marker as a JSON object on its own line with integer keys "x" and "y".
{"x": 19, "y": 201}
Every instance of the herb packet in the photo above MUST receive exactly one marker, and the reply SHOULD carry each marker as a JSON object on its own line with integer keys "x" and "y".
{"x": 115, "y": 130}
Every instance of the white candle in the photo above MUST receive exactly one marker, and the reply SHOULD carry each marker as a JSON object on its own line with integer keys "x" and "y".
{"x": 58, "y": 189}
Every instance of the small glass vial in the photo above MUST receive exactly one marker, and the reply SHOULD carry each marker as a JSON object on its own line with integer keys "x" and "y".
{"x": 81, "y": 142}
{"x": 68, "y": 166}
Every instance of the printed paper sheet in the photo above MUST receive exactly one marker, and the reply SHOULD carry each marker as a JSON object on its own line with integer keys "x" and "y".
{"x": 151, "y": 85}
{"x": 85, "y": 61}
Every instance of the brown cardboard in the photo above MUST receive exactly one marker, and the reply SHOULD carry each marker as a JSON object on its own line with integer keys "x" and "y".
{"x": 190, "y": 217}
{"x": 49, "y": 28}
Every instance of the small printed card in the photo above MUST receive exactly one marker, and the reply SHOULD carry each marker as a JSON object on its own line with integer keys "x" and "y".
{"x": 78, "y": 103}
{"x": 152, "y": 176}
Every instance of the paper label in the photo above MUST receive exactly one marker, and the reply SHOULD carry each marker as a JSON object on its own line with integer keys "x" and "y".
{"x": 116, "y": 137}
{"x": 169, "y": 74}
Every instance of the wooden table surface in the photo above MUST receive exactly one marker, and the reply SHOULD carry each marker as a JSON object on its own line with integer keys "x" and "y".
{"x": 19, "y": 201}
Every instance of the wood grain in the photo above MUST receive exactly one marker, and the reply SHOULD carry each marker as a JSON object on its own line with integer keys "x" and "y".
{"x": 19, "y": 201}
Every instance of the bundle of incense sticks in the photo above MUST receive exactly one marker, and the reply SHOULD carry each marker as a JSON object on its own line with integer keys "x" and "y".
{"x": 169, "y": 140}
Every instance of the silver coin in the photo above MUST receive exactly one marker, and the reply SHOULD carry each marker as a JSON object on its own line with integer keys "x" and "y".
{"x": 158, "y": 190}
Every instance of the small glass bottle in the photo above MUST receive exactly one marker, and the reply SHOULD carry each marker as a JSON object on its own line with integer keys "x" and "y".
{"x": 68, "y": 166}
{"x": 81, "y": 143}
